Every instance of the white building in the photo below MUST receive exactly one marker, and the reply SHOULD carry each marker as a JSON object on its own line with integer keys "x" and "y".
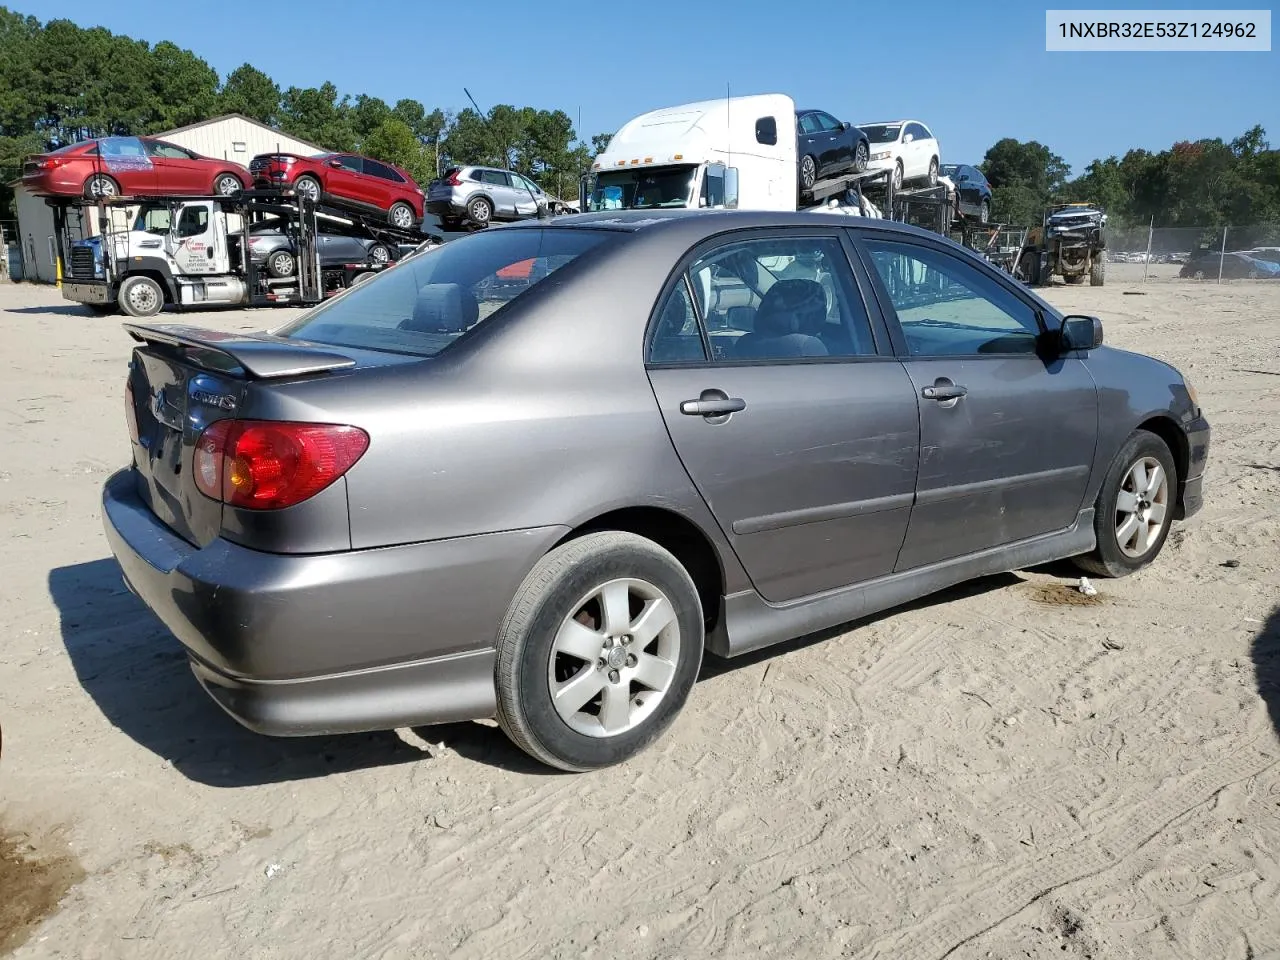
{"x": 232, "y": 137}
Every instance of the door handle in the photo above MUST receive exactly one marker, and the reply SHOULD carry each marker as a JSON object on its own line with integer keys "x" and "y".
{"x": 944, "y": 391}
{"x": 712, "y": 406}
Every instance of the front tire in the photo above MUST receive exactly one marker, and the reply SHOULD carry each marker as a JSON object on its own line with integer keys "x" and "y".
{"x": 897, "y": 175}
{"x": 141, "y": 297}
{"x": 984, "y": 212}
{"x": 227, "y": 185}
{"x": 933, "y": 172}
{"x": 379, "y": 253}
{"x": 598, "y": 652}
{"x": 1097, "y": 273}
{"x": 861, "y": 155}
{"x": 1134, "y": 509}
{"x": 309, "y": 187}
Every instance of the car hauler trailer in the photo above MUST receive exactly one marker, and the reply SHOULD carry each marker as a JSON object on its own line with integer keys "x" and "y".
{"x": 734, "y": 153}
{"x": 194, "y": 252}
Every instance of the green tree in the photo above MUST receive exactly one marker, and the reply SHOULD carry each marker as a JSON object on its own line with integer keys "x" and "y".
{"x": 249, "y": 91}
{"x": 319, "y": 115}
{"x": 184, "y": 88}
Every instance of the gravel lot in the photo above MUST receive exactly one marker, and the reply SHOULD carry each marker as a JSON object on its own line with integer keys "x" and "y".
{"x": 1008, "y": 770}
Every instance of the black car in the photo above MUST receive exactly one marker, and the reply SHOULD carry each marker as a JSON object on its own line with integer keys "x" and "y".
{"x": 826, "y": 146}
{"x": 973, "y": 192}
{"x": 271, "y": 245}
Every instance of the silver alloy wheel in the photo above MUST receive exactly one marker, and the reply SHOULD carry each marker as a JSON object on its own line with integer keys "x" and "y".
{"x": 1142, "y": 507}
{"x": 402, "y": 217}
{"x": 142, "y": 297}
{"x": 933, "y": 173}
{"x": 282, "y": 264}
{"x": 308, "y": 188}
{"x": 860, "y": 155}
{"x": 984, "y": 212}
{"x": 614, "y": 658}
{"x": 480, "y": 211}
{"x": 227, "y": 186}
{"x": 897, "y": 175}
{"x": 102, "y": 187}
{"x": 808, "y": 172}
{"x": 379, "y": 254}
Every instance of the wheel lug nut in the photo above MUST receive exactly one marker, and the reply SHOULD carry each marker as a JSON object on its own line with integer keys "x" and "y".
{"x": 600, "y": 664}
{"x": 613, "y": 676}
{"x": 631, "y": 660}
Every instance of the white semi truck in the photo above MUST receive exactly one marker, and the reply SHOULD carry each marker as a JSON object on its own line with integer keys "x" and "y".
{"x": 734, "y": 153}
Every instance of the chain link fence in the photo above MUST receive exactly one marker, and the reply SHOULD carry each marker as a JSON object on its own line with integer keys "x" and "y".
{"x": 1209, "y": 253}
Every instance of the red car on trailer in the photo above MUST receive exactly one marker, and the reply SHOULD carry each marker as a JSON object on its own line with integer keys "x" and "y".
{"x": 347, "y": 178}
{"x": 130, "y": 166}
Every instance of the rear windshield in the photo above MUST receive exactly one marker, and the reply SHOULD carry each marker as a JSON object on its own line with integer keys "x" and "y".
{"x": 423, "y": 304}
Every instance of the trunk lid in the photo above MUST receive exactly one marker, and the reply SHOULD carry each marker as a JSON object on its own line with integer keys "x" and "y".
{"x": 182, "y": 379}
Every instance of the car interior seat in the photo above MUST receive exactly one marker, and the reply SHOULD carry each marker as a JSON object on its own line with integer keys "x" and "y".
{"x": 443, "y": 308}
{"x": 789, "y": 311}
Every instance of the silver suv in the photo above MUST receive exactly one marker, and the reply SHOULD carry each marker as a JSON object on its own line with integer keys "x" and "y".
{"x": 483, "y": 194}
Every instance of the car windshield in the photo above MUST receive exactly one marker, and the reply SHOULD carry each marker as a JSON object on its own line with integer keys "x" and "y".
{"x": 882, "y": 132}
{"x": 642, "y": 189}
{"x": 422, "y": 305}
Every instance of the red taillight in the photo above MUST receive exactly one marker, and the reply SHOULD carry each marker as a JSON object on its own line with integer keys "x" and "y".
{"x": 454, "y": 179}
{"x": 268, "y": 464}
{"x": 130, "y": 413}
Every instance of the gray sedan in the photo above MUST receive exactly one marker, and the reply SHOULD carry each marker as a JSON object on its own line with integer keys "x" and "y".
{"x": 537, "y": 472}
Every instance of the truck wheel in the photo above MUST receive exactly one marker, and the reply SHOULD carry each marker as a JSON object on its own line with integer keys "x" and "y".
{"x": 1097, "y": 273}
{"x": 280, "y": 264}
{"x": 401, "y": 216}
{"x": 141, "y": 297}
{"x": 100, "y": 185}
{"x": 1029, "y": 267}
{"x": 480, "y": 210}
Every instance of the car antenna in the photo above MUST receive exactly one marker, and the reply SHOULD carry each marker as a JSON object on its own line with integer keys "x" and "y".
{"x": 543, "y": 212}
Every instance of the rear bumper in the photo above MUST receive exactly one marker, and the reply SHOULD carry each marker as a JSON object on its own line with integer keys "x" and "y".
{"x": 291, "y": 645}
{"x": 446, "y": 208}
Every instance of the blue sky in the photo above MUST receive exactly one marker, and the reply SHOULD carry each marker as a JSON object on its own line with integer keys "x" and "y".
{"x": 974, "y": 71}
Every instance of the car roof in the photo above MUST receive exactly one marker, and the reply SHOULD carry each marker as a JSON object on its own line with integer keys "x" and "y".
{"x": 714, "y": 221}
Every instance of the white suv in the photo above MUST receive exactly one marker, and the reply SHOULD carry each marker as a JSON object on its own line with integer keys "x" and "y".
{"x": 906, "y": 147}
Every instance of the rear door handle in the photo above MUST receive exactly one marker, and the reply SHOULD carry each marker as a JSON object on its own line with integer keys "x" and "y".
{"x": 949, "y": 391}
{"x": 712, "y": 407}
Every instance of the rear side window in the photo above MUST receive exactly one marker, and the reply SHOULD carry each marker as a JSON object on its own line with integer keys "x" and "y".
{"x": 382, "y": 171}
{"x": 422, "y": 305}
{"x": 495, "y": 177}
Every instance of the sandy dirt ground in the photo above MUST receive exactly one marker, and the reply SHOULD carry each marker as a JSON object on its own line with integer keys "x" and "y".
{"x": 1008, "y": 770}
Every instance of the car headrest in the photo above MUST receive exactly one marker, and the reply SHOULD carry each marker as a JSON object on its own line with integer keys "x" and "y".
{"x": 443, "y": 308}
{"x": 791, "y": 306}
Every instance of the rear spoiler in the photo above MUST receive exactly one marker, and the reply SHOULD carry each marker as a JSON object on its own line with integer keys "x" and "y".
{"x": 260, "y": 355}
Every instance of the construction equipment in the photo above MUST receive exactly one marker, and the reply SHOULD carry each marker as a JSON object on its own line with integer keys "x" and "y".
{"x": 1069, "y": 243}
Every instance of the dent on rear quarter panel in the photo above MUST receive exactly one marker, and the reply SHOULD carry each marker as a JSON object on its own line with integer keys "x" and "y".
{"x": 545, "y": 418}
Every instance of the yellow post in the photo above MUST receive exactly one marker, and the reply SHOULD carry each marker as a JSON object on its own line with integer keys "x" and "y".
{"x": 58, "y": 272}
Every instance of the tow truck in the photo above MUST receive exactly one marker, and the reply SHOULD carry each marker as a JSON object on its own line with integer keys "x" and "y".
{"x": 194, "y": 251}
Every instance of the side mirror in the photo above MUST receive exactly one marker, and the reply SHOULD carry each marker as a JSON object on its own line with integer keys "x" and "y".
{"x": 335, "y": 163}
{"x": 1080, "y": 333}
{"x": 731, "y": 188}
{"x": 846, "y": 125}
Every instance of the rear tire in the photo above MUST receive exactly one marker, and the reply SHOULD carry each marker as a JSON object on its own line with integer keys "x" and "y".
{"x": 380, "y": 253}
{"x": 808, "y": 172}
{"x": 1126, "y": 503}
{"x": 100, "y": 185}
{"x": 141, "y": 297}
{"x": 480, "y": 211}
{"x": 897, "y": 175}
{"x": 281, "y": 264}
{"x": 933, "y": 172}
{"x": 1029, "y": 267}
{"x": 401, "y": 216}
{"x": 592, "y": 618}
{"x": 984, "y": 212}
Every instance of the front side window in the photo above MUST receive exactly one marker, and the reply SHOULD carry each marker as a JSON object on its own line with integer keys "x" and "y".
{"x": 782, "y": 298}
{"x": 166, "y": 151}
{"x": 828, "y": 123}
{"x": 422, "y": 305}
{"x": 193, "y": 221}
{"x": 882, "y": 132}
{"x": 949, "y": 308}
